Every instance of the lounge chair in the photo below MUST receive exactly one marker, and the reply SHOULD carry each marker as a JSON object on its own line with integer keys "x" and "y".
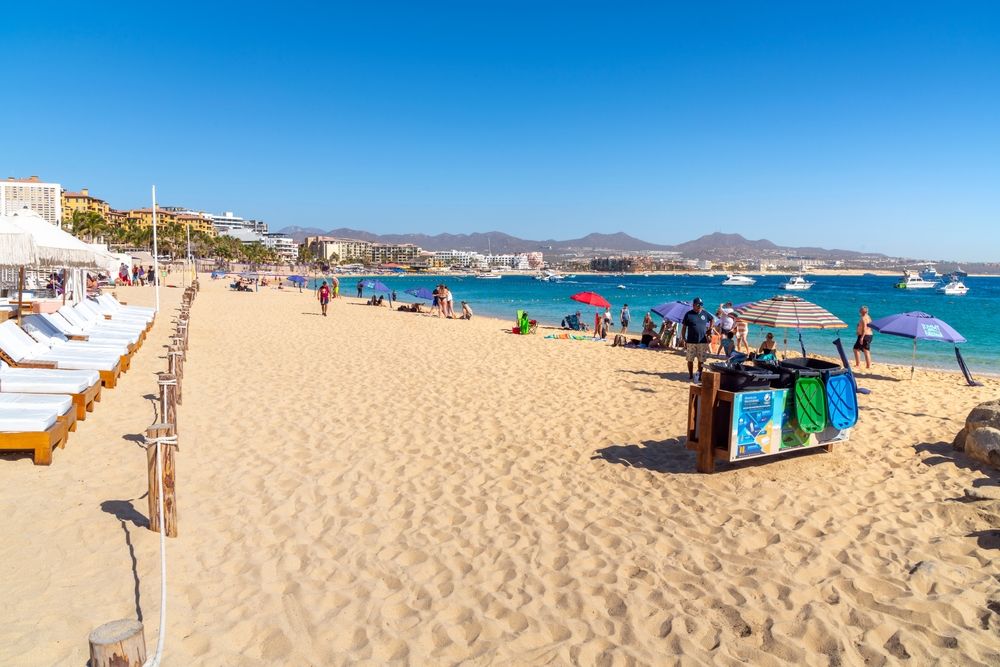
{"x": 20, "y": 350}
{"x": 101, "y": 312}
{"x": 40, "y": 329}
{"x": 110, "y": 301}
{"x": 73, "y": 332}
{"x": 525, "y": 326}
{"x": 92, "y": 323}
{"x": 84, "y": 387}
{"x": 36, "y": 430}
{"x": 61, "y": 403}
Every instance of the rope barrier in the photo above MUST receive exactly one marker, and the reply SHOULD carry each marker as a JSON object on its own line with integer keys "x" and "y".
{"x": 161, "y": 634}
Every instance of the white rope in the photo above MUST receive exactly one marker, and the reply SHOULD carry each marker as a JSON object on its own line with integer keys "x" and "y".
{"x": 158, "y": 655}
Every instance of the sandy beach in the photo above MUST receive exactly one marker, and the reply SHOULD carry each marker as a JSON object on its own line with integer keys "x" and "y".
{"x": 377, "y": 487}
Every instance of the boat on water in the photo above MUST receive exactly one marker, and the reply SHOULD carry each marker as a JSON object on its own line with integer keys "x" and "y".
{"x": 796, "y": 283}
{"x": 929, "y": 272}
{"x": 622, "y": 287}
{"x": 959, "y": 273}
{"x": 912, "y": 280}
{"x": 549, "y": 276}
{"x": 488, "y": 276}
{"x": 738, "y": 280}
{"x": 955, "y": 287}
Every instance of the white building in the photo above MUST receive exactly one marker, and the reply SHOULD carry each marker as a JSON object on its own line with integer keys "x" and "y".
{"x": 45, "y": 199}
{"x": 284, "y": 246}
{"x": 228, "y": 222}
{"x": 463, "y": 258}
{"x": 519, "y": 262}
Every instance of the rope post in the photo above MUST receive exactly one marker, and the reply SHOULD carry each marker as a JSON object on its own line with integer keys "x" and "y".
{"x": 175, "y": 364}
{"x": 119, "y": 643}
{"x": 161, "y": 443}
{"x": 182, "y": 328}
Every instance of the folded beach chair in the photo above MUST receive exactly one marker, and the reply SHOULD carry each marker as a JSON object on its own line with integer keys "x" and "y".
{"x": 40, "y": 329}
{"x": 20, "y": 350}
{"x": 38, "y": 430}
{"x": 73, "y": 332}
{"x": 83, "y": 387}
{"x": 524, "y": 325}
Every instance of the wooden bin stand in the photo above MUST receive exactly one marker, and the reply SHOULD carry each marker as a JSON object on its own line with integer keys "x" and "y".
{"x": 704, "y": 401}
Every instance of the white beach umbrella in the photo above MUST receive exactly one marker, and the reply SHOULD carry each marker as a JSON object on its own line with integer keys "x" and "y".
{"x": 17, "y": 247}
{"x": 53, "y": 246}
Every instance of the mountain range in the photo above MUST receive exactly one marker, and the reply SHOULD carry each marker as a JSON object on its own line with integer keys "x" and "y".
{"x": 715, "y": 246}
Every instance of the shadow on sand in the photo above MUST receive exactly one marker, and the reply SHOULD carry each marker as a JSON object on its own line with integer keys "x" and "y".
{"x": 126, "y": 513}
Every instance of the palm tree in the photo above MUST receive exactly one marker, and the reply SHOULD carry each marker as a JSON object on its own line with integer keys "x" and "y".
{"x": 87, "y": 225}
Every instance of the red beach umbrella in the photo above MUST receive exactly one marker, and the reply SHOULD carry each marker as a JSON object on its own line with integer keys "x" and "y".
{"x": 591, "y": 299}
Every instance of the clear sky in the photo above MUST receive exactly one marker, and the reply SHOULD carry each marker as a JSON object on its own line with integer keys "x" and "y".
{"x": 871, "y": 126}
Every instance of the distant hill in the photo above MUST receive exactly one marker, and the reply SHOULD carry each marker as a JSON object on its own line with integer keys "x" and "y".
{"x": 716, "y": 246}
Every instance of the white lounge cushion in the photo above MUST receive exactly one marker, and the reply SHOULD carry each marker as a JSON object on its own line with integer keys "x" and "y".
{"x": 112, "y": 302}
{"x": 17, "y": 420}
{"x": 89, "y": 319}
{"x": 63, "y": 325}
{"x": 44, "y": 333}
{"x": 100, "y": 311}
{"x": 58, "y": 402}
{"x": 25, "y": 384}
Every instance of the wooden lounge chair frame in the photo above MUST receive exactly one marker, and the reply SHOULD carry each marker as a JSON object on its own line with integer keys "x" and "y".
{"x": 109, "y": 378}
{"x": 40, "y": 443}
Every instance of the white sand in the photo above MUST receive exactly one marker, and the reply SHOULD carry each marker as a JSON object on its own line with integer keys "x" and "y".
{"x": 379, "y": 486}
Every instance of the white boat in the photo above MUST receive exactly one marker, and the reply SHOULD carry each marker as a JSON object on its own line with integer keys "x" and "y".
{"x": 488, "y": 276}
{"x": 622, "y": 287}
{"x": 954, "y": 288}
{"x": 796, "y": 283}
{"x": 930, "y": 273}
{"x": 737, "y": 280}
{"x": 912, "y": 280}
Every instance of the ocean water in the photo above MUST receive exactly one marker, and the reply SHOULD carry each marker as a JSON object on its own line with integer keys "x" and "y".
{"x": 974, "y": 315}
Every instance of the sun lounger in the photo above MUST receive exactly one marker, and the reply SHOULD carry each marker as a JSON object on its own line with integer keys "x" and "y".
{"x": 93, "y": 324}
{"x": 36, "y": 430}
{"x": 83, "y": 386}
{"x": 117, "y": 311}
{"x": 102, "y": 313}
{"x": 38, "y": 328}
{"x": 62, "y": 404}
{"x": 113, "y": 303}
{"x": 20, "y": 350}
{"x": 73, "y": 332}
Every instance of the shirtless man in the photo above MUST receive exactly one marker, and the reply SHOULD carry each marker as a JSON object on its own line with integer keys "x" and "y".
{"x": 864, "y": 341}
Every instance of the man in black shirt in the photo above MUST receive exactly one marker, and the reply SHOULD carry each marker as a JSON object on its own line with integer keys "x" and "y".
{"x": 695, "y": 329}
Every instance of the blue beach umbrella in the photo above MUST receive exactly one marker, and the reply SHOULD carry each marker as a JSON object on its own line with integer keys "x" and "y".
{"x": 672, "y": 310}
{"x": 297, "y": 280}
{"x": 421, "y": 293}
{"x": 218, "y": 274}
{"x": 919, "y": 326}
{"x": 378, "y": 286}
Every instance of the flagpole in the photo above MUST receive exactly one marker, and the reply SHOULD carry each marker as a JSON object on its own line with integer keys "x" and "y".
{"x": 156, "y": 255}
{"x": 189, "y": 257}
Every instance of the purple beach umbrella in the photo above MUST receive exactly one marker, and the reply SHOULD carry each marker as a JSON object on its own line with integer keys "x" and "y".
{"x": 672, "y": 310}
{"x": 918, "y": 326}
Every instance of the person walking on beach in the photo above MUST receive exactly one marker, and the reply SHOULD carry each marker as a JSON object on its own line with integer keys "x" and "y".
{"x": 323, "y": 293}
{"x": 695, "y": 328}
{"x": 742, "y": 331}
{"x": 336, "y": 287}
{"x": 625, "y": 318}
{"x": 361, "y": 289}
{"x": 864, "y": 342}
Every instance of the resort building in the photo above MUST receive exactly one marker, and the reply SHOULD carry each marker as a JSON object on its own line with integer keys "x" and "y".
{"x": 143, "y": 217}
{"x": 45, "y": 199}
{"x": 83, "y": 201}
{"x": 519, "y": 262}
{"x": 228, "y": 221}
{"x": 332, "y": 249}
{"x": 464, "y": 258}
{"x": 284, "y": 246}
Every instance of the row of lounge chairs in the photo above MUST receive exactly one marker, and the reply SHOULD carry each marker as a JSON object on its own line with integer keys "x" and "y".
{"x": 54, "y": 366}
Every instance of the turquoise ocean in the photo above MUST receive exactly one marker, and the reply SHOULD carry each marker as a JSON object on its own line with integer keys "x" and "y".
{"x": 974, "y": 315}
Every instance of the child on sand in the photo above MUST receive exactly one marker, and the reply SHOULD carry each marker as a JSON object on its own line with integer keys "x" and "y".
{"x": 323, "y": 294}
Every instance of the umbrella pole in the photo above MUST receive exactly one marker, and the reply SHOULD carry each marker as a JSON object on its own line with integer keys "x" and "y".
{"x": 913, "y": 358}
{"x": 20, "y": 292}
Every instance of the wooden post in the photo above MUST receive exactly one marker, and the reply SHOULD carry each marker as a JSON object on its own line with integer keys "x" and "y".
{"x": 706, "y": 450}
{"x": 169, "y": 488}
{"x": 118, "y": 644}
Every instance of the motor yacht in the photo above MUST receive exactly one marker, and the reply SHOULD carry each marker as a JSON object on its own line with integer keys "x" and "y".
{"x": 912, "y": 280}
{"x": 955, "y": 287}
{"x": 737, "y": 280}
{"x": 797, "y": 283}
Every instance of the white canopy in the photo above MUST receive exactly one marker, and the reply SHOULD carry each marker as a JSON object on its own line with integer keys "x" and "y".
{"x": 17, "y": 248}
{"x": 53, "y": 246}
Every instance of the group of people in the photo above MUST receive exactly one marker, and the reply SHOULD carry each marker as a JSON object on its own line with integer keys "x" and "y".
{"x": 726, "y": 334}
{"x": 139, "y": 275}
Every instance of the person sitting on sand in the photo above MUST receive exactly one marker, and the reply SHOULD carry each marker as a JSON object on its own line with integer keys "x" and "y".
{"x": 466, "y": 311}
{"x": 727, "y": 345}
{"x": 648, "y": 330}
{"x": 768, "y": 347}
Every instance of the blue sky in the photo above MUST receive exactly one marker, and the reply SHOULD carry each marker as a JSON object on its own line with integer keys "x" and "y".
{"x": 872, "y": 126}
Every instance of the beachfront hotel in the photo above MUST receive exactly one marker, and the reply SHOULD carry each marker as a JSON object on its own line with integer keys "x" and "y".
{"x": 368, "y": 252}
{"x": 83, "y": 201}
{"x": 45, "y": 199}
